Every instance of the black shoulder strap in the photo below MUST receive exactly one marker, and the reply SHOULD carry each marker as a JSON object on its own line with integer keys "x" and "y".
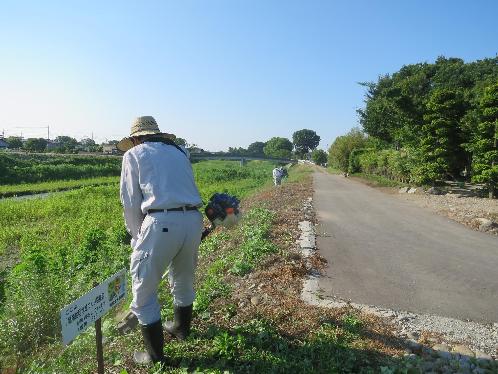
{"x": 168, "y": 142}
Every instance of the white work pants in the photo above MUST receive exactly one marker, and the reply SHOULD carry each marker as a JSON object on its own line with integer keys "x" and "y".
{"x": 165, "y": 239}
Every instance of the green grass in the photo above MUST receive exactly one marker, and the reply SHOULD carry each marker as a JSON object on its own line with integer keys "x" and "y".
{"x": 230, "y": 177}
{"x": 35, "y": 168}
{"x": 69, "y": 240}
{"x": 212, "y": 176}
{"x": 377, "y": 180}
{"x": 334, "y": 171}
{"x": 298, "y": 172}
{"x": 53, "y": 186}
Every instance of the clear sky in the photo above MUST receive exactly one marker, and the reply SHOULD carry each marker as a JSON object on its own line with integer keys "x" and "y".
{"x": 218, "y": 73}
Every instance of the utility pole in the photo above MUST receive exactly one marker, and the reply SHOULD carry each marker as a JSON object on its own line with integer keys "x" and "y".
{"x": 48, "y": 132}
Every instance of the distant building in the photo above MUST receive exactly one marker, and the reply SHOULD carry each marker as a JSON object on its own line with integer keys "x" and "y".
{"x": 196, "y": 150}
{"x": 3, "y": 144}
{"x": 51, "y": 145}
{"x": 110, "y": 149}
{"x": 82, "y": 148}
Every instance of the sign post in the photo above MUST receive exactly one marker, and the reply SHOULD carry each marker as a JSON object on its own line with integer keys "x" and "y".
{"x": 100, "y": 349}
{"x": 98, "y": 342}
{"x": 80, "y": 314}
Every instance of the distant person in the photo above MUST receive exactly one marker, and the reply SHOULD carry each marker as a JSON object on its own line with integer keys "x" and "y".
{"x": 160, "y": 201}
{"x": 277, "y": 176}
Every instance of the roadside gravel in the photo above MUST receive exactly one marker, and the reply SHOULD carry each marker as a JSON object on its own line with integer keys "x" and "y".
{"x": 465, "y": 210}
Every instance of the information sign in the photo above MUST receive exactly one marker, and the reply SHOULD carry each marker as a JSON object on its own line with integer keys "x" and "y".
{"x": 80, "y": 314}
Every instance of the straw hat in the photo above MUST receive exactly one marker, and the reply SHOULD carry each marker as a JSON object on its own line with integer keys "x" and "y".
{"x": 141, "y": 126}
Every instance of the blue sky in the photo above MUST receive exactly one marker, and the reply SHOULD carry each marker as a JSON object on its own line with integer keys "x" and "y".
{"x": 218, "y": 73}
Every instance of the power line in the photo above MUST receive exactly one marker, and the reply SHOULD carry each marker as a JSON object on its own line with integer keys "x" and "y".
{"x": 34, "y": 127}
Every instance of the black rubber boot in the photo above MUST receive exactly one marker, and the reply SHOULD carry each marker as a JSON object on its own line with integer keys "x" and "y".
{"x": 180, "y": 327}
{"x": 154, "y": 341}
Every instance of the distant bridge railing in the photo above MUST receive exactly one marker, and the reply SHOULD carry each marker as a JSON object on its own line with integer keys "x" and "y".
{"x": 215, "y": 156}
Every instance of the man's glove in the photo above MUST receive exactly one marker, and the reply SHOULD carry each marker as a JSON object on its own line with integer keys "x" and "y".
{"x": 207, "y": 230}
{"x": 127, "y": 238}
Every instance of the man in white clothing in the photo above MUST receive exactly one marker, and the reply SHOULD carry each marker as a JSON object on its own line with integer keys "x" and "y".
{"x": 277, "y": 176}
{"x": 161, "y": 202}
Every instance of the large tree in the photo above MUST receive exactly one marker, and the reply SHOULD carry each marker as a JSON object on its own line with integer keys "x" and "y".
{"x": 66, "y": 143}
{"x": 341, "y": 148}
{"x": 87, "y": 142}
{"x": 484, "y": 141}
{"x": 14, "y": 142}
{"x": 90, "y": 145}
{"x": 35, "y": 144}
{"x": 440, "y": 144}
{"x": 181, "y": 141}
{"x": 256, "y": 149}
{"x": 396, "y": 104}
{"x": 413, "y": 111}
{"x": 237, "y": 151}
{"x": 319, "y": 156}
{"x": 305, "y": 140}
{"x": 278, "y": 148}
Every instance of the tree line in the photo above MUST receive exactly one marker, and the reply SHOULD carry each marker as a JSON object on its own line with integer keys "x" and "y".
{"x": 61, "y": 144}
{"x": 426, "y": 123}
{"x": 303, "y": 142}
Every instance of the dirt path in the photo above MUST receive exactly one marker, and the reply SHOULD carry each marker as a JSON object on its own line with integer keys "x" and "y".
{"x": 386, "y": 252}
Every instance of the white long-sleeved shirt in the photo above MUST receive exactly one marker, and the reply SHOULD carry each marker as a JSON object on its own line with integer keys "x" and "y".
{"x": 155, "y": 175}
{"x": 277, "y": 174}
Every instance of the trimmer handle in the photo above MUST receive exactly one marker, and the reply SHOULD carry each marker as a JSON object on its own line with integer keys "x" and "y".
{"x": 207, "y": 230}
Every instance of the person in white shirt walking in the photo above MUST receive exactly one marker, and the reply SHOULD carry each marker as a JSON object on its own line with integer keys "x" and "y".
{"x": 277, "y": 176}
{"x": 161, "y": 202}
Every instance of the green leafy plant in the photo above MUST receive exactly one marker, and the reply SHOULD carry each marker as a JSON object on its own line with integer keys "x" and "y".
{"x": 227, "y": 346}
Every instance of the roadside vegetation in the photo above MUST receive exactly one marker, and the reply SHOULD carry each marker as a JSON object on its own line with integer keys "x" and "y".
{"x": 378, "y": 180}
{"x": 427, "y": 123}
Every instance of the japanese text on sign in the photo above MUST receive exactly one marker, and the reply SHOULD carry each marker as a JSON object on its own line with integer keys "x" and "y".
{"x": 80, "y": 314}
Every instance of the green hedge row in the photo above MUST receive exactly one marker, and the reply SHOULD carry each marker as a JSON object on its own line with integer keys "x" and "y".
{"x": 398, "y": 165}
{"x": 18, "y": 168}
